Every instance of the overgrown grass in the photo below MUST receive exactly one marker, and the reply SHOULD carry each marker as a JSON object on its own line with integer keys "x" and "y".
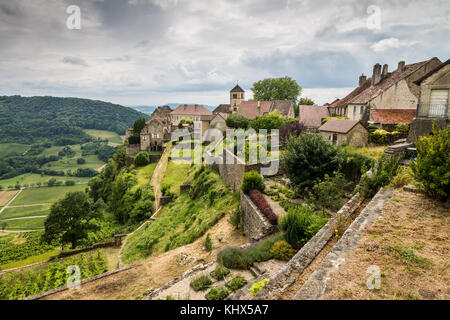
{"x": 175, "y": 174}
{"x": 184, "y": 220}
{"x": 373, "y": 152}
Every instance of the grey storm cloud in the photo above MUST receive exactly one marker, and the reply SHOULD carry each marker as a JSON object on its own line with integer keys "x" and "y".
{"x": 155, "y": 51}
{"x": 75, "y": 61}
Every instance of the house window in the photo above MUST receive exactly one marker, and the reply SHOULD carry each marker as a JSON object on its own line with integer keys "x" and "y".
{"x": 234, "y": 95}
{"x": 361, "y": 109}
{"x": 354, "y": 109}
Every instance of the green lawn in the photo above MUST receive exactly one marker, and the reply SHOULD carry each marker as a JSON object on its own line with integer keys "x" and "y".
{"x": 37, "y": 210}
{"x": 175, "y": 175}
{"x": 44, "y": 194}
{"x": 373, "y": 152}
{"x": 113, "y": 138}
{"x": 25, "y": 224}
{"x": 7, "y": 149}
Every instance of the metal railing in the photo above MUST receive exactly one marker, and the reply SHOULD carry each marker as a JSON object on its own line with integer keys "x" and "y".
{"x": 432, "y": 110}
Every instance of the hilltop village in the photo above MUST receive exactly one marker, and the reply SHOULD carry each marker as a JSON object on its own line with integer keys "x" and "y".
{"x": 414, "y": 94}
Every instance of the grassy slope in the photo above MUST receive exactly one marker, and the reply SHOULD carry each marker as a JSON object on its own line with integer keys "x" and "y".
{"x": 7, "y": 149}
{"x": 144, "y": 175}
{"x": 175, "y": 174}
{"x": 113, "y": 138}
{"x": 181, "y": 222}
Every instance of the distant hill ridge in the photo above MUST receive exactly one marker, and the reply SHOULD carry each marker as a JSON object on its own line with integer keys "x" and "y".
{"x": 149, "y": 109}
{"x": 32, "y": 119}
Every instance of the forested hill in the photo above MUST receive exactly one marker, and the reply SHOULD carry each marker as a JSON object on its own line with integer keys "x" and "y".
{"x": 31, "y": 119}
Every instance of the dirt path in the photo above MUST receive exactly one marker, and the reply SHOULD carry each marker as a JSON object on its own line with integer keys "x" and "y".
{"x": 158, "y": 174}
{"x": 22, "y": 218}
{"x": 155, "y": 271}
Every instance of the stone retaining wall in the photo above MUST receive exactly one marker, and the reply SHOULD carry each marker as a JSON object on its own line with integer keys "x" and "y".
{"x": 154, "y": 158}
{"x": 315, "y": 286}
{"x": 165, "y": 200}
{"x": 184, "y": 188}
{"x": 301, "y": 260}
{"x": 255, "y": 224}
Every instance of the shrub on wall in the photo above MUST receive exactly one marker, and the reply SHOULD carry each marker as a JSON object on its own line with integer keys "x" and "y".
{"x": 234, "y": 258}
{"x": 432, "y": 167}
{"x": 217, "y": 293}
{"x": 252, "y": 180}
{"x": 220, "y": 272}
{"x": 201, "y": 283}
{"x": 299, "y": 225}
{"x": 236, "y": 283}
{"x": 282, "y": 250}
{"x": 258, "y": 286}
{"x": 263, "y": 206}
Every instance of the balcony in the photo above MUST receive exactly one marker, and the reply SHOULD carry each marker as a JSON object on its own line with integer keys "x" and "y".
{"x": 432, "y": 110}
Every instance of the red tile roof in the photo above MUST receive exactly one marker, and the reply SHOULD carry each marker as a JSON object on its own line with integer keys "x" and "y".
{"x": 393, "y": 116}
{"x": 344, "y": 101}
{"x": 250, "y": 109}
{"x": 191, "y": 110}
{"x": 338, "y": 125}
{"x": 284, "y": 106}
{"x": 373, "y": 91}
{"x": 312, "y": 116}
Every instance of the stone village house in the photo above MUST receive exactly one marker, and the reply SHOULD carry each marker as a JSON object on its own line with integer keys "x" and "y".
{"x": 433, "y": 103}
{"x": 345, "y": 131}
{"x": 387, "y": 98}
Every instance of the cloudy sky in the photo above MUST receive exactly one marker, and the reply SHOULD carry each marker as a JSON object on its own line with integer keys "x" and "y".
{"x": 151, "y": 52}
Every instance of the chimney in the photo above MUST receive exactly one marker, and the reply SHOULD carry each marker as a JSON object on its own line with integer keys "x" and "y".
{"x": 376, "y": 76}
{"x": 401, "y": 66}
{"x": 362, "y": 79}
{"x": 259, "y": 105}
{"x": 384, "y": 73}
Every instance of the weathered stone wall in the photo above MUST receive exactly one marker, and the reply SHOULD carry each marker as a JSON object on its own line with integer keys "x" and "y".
{"x": 154, "y": 158}
{"x": 184, "y": 188}
{"x": 423, "y": 127}
{"x": 287, "y": 276}
{"x": 255, "y": 224}
{"x": 132, "y": 148}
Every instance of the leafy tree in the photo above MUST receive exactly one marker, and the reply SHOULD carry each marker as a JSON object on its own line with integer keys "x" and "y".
{"x": 138, "y": 125}
{"x": 284, "y": 88}
{"x": 70, "y": 219}
{"x": 81, "y": 161}
{"x": 432, "y": 167}
{"x": 269, "y": 121}
{"x": 294, "y": 128}
{"x": 305, "y": 101}
{"x": 307, "y": 158}
{"x": 328, "y": 193}
{"x": 237, "y": 121}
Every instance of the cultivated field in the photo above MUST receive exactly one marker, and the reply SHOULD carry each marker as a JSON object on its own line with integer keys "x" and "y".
{"x": 28, "y": 211}
{"x": 44, "y": 195}
{"x": 6, "y": 196}
{"x": 33, "y": 178}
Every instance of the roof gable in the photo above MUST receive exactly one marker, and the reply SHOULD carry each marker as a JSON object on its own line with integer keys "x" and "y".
{"x": 237, "y": 89}
{"x": 339, "y": 125}
{"x": 312, "y": 116}
{"x": 195, "y": 110}
{"x": 251, "y": 110}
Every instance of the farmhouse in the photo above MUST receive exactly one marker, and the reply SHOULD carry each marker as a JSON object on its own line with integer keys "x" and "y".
{"x": 345, "y": 131}
{"x": 188, "y": 112}
{"x": 387, "y": 98}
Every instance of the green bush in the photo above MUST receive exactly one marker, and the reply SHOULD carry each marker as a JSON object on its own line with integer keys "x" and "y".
{"x": 208, "y": 243}
{"x": 281, "y": 250}
{"x": 269, "y": 121}
{"x": 236, "y": 283}
{"x": 352, "y": 163}
{"x": 432, "y": 167}
{"x": 381, "y": 175}
{"x": 220, "y": 272}
{"x": 201, "y": 283}
{"x": 217, "y": 293}
{"x": 299, "y": 225}
{"x": 403, "y": 177}
{"x": 258, "y": 286}
{"x": 307, "y": 158}
{"x": 328, "y": 193}
{"x": 380, "y": 136}
{"x": 234, "y": 258}
{"x": 81, "y": 161}
{"x": 402, "y": 128}
{"x": 252, "y": 180}
{"x": 141, "y": 159}
{"x": 235, "y": 218}
{"x": 237, "y": 121}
